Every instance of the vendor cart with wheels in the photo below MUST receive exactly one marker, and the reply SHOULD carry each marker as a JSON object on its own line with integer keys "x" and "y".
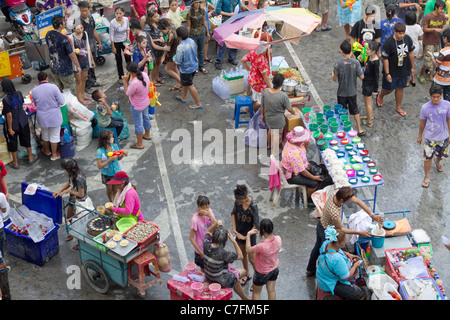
{"x": 11, "y": 66}
{"x": 108, "y": 256}
{"x": 102, "y": 28}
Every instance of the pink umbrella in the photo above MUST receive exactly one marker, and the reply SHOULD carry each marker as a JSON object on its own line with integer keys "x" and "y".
{"x": 296, "y": 21}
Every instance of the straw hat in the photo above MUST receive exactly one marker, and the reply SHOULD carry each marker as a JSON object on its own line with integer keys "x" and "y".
{"x": 298, "y": 135}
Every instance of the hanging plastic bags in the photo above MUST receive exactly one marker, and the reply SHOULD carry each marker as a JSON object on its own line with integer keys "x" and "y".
{"x": 163, "y": 257}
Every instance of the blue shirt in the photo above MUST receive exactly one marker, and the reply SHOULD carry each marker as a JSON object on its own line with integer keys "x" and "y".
{"x": 138, "y": 57}
{"x": 59, "y": 48}
{"x": 186, "y": 56}
{"x": 114, "y": 166}
{"x": 227, "y": 6}
{"x": 387, "y": 29}
{"x": 338, "y": 263}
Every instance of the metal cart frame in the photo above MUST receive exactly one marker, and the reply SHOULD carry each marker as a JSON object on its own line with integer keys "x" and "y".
{"x": 100, "y": 265}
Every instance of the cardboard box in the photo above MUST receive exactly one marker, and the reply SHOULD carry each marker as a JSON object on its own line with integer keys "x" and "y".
{"x": 293, "y": 121}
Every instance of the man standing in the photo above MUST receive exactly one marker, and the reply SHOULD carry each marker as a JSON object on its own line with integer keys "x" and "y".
{"x": 435, "y": 121}
{"x": 442, "y": 65}
{"x": 61, "y": 55}
{"x": 398, "y": 65}
{"x": 324, "y": 6}
{"x": 227, "y": 8}
{"x": 88, "y": 23}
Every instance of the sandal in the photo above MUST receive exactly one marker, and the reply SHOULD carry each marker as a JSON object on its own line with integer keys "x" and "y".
{"x": 208, "y": 60}
{"x": 243, "y": 281}
{"x": 193, "y": 107}
{"x": 174, "y": 88}
{"x": 421, "y": 80}
{"x": 204, "y": 71}
{"x": 367, "y": 123}
{"x": 379, "y": 103}
{"x": 425, "y": 184}
{"x": 179, "y": 99}
{"x": 161, "y": 81}
{"x": 401, "y": 112}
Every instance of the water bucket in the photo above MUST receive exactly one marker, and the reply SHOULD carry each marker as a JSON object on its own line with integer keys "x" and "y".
{"x": 320, "y": 121}
{"x": 313, "y": 127}
{"x": 378, "y": 240}
{"x": 344, "y": 117}
{"x": 326, "y": 108}
{"x": 197, "y": 288}
{"x": 347, "y": 126}
{"x": 337, "y": 107}
{"x": 67, "y": 148}
{"x": 323, "y": 128}
{"x": 331, "y": 120}
{"x": 319, "y": 115}
{"x": 306, "y": 110}
{"x": 214, "y": 289}
{"x": 329, "y": 114}
{"x": 342, "y": 112}
{"x": 334, "y": 127}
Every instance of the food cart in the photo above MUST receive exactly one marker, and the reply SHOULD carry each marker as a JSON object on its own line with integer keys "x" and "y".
{"x": 107, "y": 255}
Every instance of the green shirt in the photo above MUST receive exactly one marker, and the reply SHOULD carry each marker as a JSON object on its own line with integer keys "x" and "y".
{"x": 197, "y": 23}
{"x": 429, "y": 7}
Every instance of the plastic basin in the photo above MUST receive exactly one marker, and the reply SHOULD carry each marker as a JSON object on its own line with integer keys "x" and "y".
{"x": 125, "y": 223}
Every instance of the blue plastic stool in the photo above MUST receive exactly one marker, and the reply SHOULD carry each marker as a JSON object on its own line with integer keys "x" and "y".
{"x": 116, "y": 138}
{"x": 242, "y": 102}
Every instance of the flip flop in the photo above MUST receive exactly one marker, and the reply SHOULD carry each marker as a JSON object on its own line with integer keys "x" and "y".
{"x": 34, "y": 160}
{"x": 402, "y": 112}
{"x": 179, "y": 99}
{"x": 192, "y": 107}
{"x": 361, "y": 134}
{"x": 146, "y": 138}
{"x": 440, "y": 168}
{"x": 208, "y": 60}
{"x": 328, "y": 28}
{"x": 134, "y": 147}
{"x": 15, "y": 167}
{"x": 421, "y": 80}
{"x": 244, "y": 280}
{"x": 425, "y": 184}
{"x": 379, "y": 104}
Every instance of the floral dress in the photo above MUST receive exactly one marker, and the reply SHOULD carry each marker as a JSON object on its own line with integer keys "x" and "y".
{"x": 259, "y": 67}
{"x": 293, "y": 159}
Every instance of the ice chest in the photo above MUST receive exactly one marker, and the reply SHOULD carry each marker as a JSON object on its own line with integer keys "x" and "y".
{"x": 24, "y": 247}
{"x": 182, "y": 290}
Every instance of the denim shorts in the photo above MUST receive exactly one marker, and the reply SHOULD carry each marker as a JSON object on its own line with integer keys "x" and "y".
{"x": 260, "y": 279}
{"x": 141, "y": 120}
{"x": 397, "y": 82}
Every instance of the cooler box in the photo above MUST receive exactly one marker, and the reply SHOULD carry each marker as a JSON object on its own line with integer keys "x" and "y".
{"x": 24, "y": 247}
{"x": 182, "y": 290}
{"x": 390, "y": 270}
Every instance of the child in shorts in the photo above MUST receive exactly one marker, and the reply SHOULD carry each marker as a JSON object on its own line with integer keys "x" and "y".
{"x": 371, "y": 80}
{"x": 202, "y": 219}
{"x": 104, "y": 113}
{"x": 346, "y": 71}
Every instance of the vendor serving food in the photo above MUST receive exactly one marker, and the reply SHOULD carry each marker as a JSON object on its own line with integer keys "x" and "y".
{"x": 126, "y": 200}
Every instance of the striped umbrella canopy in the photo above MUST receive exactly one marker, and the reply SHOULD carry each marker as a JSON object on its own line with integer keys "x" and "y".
{"x": 296, "y": 22}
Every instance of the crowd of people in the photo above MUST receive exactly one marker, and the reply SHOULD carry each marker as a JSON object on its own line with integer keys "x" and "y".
{"x": 147, "y": 41}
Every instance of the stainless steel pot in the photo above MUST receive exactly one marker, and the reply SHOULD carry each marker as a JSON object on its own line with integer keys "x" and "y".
{"x": 289, "y": 85}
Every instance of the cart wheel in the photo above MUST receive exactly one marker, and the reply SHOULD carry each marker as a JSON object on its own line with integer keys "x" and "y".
{"x": 26, "y": 79}
{"x": 100, "y": 60}
{"x": 96, "y": 276}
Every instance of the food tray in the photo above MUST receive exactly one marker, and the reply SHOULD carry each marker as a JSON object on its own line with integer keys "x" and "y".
{"x": 152, "y": 235}
{"x": 123, "y": 251}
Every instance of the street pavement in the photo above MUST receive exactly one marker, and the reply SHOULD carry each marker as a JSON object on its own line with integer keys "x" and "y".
{"x": 168, "y": 190}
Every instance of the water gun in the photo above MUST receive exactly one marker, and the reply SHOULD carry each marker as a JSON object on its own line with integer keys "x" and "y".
{"x": 349, "y": 4}
{"x": 357, "y": 47}
{"x": 153, "y": 95}
{"x": 81, "y": 52}
{"x": 116, "y": 153}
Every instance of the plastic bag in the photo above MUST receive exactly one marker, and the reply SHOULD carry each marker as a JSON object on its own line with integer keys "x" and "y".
{"x": 163, "y": 257}
{"x": 253, "y": 137}
{"x": 83, "y": 131}
{"x": 389, "y": 292}
{"x": 377, "y": 281}
{"x": 75, "y": 108}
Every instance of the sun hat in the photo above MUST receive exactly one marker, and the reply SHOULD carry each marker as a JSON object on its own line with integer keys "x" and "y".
{"x": 298, "y": 135}
{"x": 262, "y": 48}
{"x": 119, "y": 177}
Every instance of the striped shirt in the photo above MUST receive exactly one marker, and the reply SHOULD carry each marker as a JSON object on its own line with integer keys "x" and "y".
{"x": 442, "y": 76}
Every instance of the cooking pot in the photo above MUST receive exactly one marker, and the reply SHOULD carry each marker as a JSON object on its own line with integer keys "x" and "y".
{"x": 289, "y": 85}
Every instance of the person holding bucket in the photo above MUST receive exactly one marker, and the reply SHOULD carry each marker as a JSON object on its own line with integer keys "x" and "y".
{"x": 126, "y": 203}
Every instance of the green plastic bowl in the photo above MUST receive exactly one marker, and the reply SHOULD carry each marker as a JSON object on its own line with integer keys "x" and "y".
{"x": 125, "y": 223}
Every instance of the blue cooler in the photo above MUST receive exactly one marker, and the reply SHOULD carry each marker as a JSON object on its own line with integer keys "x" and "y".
{"x": 24, "y": 247}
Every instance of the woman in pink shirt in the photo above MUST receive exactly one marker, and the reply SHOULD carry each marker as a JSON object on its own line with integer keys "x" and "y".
{"x": 266, "y": 259}
{"x": 126, "y": 201}
{"x": 137, "y": 92}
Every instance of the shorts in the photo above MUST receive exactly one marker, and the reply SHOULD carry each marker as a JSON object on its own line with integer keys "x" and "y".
{"x": 349, "y": 103}
{"x": 299, "y": 179}
{"x": 22, "y": 135}
{"x": 314, "y": 6}
{"x": 397, "y": 82}
{"x": 199, "y": 260}
{"x": 256, "y": 96}
{"x": 187, "y": 79}
{"x": 348, "y": 292}
{"x": 260, "y": 279}
{"x": 368, "y": 89}
{"x": 435, "y": 148}
{"x": 252, "y": 240}
{"x": 64, "y": 82}
{"x": 52, "y": 134}
{"x": 427, "y": 62}
{"x": 106, "y": 179}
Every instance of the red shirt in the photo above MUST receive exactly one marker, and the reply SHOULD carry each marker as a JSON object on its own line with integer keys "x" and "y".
{"x": 140, "y": 5}
{"x": 2, "y": 173}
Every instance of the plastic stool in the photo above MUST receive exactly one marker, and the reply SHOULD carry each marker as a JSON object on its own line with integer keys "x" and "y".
{"x": 142, "y": 262}
{"x": 116, "y": 138}
{"x": 320, "y": 295}
{"x": 242, "y": 102}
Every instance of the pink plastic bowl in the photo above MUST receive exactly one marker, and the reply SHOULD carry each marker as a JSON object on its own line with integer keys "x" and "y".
{"x": 214, "y": 289}
{"x": 350, "y": 173}
{"x": 190, "y": 267}
{"x": 197, "y": 288}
